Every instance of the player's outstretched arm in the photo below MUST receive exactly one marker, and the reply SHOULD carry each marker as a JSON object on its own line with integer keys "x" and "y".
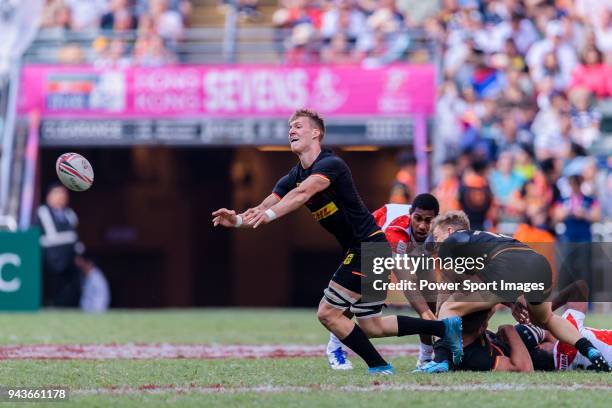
{"x": 229, "y": 218}
{"x": 225, "y": 218}
{"x": 293, "y": 200}
{"x": 268, "y": 202}
{"x": 519, "y": 360}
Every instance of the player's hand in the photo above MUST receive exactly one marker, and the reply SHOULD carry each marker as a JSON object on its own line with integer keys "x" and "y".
{"x": 250, "y": 214}
{"x": 520, "y": 312}
{"x": 258, "y": 218}
{"x": 224, "y": 217}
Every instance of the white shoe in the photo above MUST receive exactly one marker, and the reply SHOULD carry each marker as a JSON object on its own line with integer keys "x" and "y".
{"x": 338, "y": 361}
{"x": 422, "y": 363}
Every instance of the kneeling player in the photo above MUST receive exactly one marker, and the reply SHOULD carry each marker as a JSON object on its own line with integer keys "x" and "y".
{"x": 506, "y": 260}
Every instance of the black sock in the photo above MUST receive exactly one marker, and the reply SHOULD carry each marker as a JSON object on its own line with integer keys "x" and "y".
{"x": 583, "y": 345}
{"x": 407, "y": 325}
{"x": 442, "y": 352}
{"x": 363, "y": 347}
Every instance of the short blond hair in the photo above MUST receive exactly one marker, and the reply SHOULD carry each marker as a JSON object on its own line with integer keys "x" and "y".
{"x": 456, "y": 219}
{"x": 315, "y": 119}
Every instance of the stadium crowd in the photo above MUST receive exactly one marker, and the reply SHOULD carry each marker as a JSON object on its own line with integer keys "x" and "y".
{"x": 517, "y": 110}
{"x": 126, "y": 32}
{"x": 517, "y": 114}
{"x": 517, "y": 106}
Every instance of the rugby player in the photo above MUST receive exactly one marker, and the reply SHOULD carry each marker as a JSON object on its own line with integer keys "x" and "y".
{"x": 554, "y": 354}
{"x": 486, "y": 351}
{"x": 323, "y": 182}
{"x": 512, "y": 261}
{"x": 406, "y": 228}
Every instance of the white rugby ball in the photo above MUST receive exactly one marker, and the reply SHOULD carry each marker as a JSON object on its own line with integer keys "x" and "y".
{"x": 74, "y": 171}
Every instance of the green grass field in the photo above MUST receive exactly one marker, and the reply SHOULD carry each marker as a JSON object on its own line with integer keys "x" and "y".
{"x": 262, "y": 382}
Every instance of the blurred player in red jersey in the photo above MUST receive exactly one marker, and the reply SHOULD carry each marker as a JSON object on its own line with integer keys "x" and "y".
{"x": 407, "y": 230}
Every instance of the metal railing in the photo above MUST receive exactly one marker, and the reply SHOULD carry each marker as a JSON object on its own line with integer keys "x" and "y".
{"x": 205, "y": 45}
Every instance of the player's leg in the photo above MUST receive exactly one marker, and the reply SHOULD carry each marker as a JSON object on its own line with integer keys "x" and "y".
{"x": 331, "y": 310}
{"x": 541, "y": 314}
{"x": 336, "y": 352}
{"x": 343, "y": 291}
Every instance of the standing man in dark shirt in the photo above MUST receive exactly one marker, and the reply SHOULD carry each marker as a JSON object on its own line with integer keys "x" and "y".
{"x": 323, "y": 182}
{"x": 58, "y": 224}
{"x": 510, "y": 261}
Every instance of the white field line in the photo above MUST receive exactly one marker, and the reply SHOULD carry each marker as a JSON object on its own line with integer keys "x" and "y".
{"x": 176, "y": 351}
{"x": 270, "y": 389}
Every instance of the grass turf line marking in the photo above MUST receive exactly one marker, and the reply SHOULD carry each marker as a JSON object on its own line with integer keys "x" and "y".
{"x": 139, "y": 351}
{"x": 380, "y": 387}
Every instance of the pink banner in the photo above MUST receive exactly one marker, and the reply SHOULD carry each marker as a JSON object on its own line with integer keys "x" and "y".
{"x": 227, "y": 91}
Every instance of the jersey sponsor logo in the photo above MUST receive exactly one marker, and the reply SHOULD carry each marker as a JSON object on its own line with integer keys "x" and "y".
{"x": 325, "y": 211}
{"x": 565, "y": 355}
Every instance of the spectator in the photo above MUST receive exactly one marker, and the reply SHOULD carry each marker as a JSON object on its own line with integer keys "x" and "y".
{"x": 86, "y": 14}
{"x": 169, "y": 22}
{"x": 95, "y": 295}
{"x": 146, "y": 26}
{"x": 62, "y": 18}
{"x": 151, "y": 51}
{"x": 504, "y": 180}
{"x": 575, "y": 213}
{"x": 584, "y": 118}
{"x": 604, "y": 186}
{"x": 403, "y": 189}
{"x": 519, "y": 30}
{"x": 338, "y": 51}
{"x": 184, "y": 7}
{"x": 603, "y": 31}
{"x": 475, "y": 195}
{"x": 59, "y": 237}
{"x": 555, "y": 43}
{"x": 592, "y": 73}
{"x": 447, "y": 190}
{"x": 112, "y": 54}
{"x": 119, "y": 17}
{"x": 524, "y": 163}
{"x": 383, "y": 42}
{"x": 302, "y": 46}
{"x": 534, "y": 231}
{"x": 300, "y": 12}
{"x": 49, "y": 18}
{"x": 551, "y": 127}
{"x": 343, "y": 17}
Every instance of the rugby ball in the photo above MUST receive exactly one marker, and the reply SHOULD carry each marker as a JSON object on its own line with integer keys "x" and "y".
{"x": 74, "y": 171}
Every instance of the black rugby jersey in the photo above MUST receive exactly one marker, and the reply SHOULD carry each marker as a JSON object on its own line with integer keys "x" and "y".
{"x": 475, "y": 243}
{"x": 482, "y": 354}
{"x": 339, "y": 208}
